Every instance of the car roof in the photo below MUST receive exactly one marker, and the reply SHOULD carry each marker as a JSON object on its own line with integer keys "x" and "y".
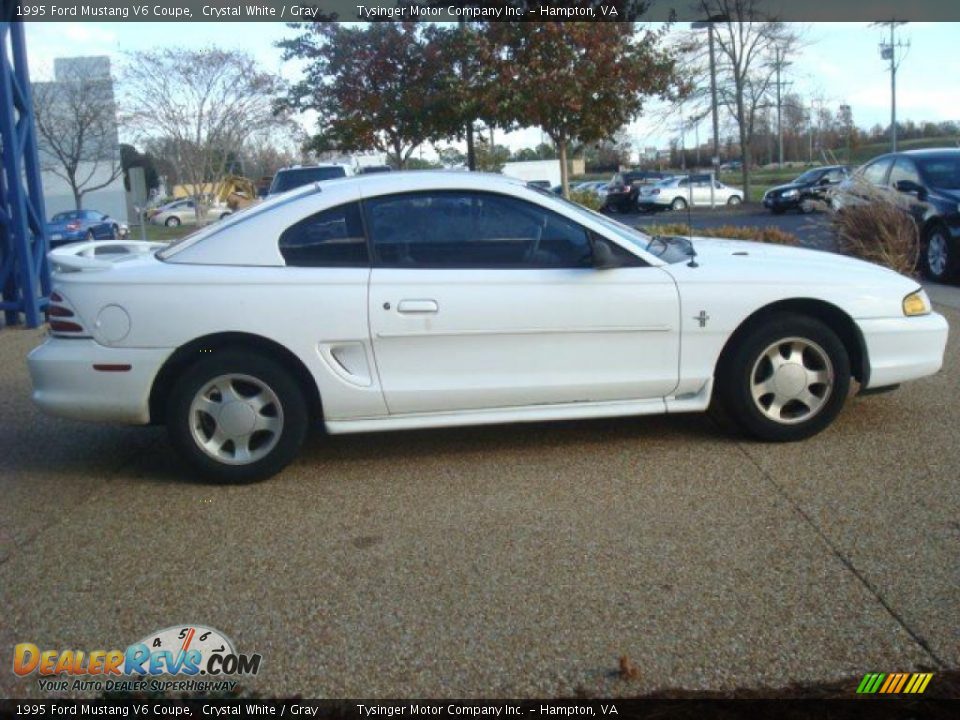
{"x": 219, "y": 244}
{"x": 926, "y": 152}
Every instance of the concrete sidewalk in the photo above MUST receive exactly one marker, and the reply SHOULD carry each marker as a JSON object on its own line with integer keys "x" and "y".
{"x": 501, "y": 561}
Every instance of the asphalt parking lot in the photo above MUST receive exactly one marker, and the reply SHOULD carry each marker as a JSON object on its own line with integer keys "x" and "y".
{"x": 511, "y": 561}
{"x": 813, "y": 229}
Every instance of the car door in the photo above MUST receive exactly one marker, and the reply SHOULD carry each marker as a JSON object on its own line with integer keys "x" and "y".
{"x": 480, "y": 300}
{"x": 701, "y": 189}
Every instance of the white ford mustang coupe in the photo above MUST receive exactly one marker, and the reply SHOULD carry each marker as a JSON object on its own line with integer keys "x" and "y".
{"x": 410, "y": 300}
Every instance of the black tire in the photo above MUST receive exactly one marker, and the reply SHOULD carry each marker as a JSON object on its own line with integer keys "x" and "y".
{"x": 743, "y": 363}
{"x": 938, "y": 254}
{"x": 114, "y": 232}
{"x": 225, "y": 215}
{"x": 89, "y": 237}
{"x": 734, "y": 200}
{"x": 172, "y": 221}
{"x": 678, "y": 204}
{"x": 292, "y": 411}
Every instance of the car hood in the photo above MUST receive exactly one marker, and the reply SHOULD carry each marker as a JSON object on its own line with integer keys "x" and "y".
{"x": 756, "y": 261}
{"x": 789, "y": 186}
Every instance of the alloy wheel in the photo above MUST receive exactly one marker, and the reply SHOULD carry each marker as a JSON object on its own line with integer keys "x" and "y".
{"x": 791, "y": 380}
{"x": 236, "y": 419}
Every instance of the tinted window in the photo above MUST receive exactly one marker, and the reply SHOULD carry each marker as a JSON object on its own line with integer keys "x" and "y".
{"x": 941, "y": 172}
{"x": 332, "y": 238}
{"x": 289, "y": 179}
{"x": 472, "y": 230}
{"x": 836, "y": 175}
{"x": 876, "y": 171}
{"x": 904, "y": 169}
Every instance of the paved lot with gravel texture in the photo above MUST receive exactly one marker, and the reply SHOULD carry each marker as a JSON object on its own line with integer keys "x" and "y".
{"x": 514, "y": 561}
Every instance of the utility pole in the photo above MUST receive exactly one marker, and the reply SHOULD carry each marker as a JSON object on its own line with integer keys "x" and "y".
{"x": 779, "y": 64}
{"x": 471, "y": 153}
{"x": 708, "y": 26}
{"x": 889, "y": 51}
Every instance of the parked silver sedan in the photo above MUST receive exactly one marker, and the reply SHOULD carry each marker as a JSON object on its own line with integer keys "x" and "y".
{"x": 677, "y": 193}
{"x": 183, "y": 212}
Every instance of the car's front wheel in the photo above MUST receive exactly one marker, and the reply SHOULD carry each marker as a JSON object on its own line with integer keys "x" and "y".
{"x": 734, "y": 200}
{"x": 786, "y": 379}
{"x": 237, "y": 417}
{"x": 938, "y": 255}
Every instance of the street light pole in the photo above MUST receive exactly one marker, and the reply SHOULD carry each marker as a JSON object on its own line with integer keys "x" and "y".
{"x": 708, "y": 25}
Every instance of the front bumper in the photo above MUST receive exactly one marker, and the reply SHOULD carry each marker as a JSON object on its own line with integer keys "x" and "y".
{"x": 906, "y": 348}
{"x": 66, "y": 384}
{"x": 780, "y": 203}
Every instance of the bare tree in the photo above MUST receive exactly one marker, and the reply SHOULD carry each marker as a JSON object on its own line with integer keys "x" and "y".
{"x": 749, "y": 44}
{"x": 203, "y": 105}
{"x": 77, "y": 123}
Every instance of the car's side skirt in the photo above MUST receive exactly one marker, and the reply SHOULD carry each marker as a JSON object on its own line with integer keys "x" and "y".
{"x": 533, "y": 413}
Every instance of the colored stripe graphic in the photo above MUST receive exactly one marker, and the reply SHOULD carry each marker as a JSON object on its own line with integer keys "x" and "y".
{"x": 894, "y": 683}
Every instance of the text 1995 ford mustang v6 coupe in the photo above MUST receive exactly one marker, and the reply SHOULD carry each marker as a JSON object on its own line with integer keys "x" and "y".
{"x": 411, "y": 300}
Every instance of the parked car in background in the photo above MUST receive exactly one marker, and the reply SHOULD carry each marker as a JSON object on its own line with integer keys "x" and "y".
{"x": 732, "y": 165}
{"x": 370, "y": 169}
{"x": 76, "y": 225}
{"x": 298, "y": 175}
{"x": 930, "y": 179}
{"x": 183, "y": 212}
{"x": 439, "y": 299}
{"x": 809, "y": 188}
{"x": 677, "y": 193}
{"x": 624, "y": 188}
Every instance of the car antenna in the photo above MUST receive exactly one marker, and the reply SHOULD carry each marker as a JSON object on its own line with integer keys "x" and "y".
{"x": 690, "y": 251}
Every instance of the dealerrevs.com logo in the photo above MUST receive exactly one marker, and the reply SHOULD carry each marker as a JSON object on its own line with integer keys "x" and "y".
{"x": 185, "y": 650}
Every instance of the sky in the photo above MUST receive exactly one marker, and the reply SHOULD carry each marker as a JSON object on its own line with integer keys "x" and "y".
{"x": 840, "y": 63}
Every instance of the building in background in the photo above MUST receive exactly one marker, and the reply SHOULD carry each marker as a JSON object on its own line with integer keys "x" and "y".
{"x": 77, "y": 131}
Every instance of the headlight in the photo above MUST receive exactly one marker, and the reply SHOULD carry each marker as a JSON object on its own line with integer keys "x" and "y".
{"x": 790, "y": 193}
{"x": 916, "y": 303}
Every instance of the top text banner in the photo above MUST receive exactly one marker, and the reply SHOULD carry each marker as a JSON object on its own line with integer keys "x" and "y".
{"x": 455, "y": 10}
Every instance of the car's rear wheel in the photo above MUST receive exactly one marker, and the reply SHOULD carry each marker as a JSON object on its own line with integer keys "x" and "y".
{"x": 172, "y": 221}
{"x": 938, "y": 255}
{"x": 786, "y": 379}
{"x": 89, "y": 237}
{"x": 237, "y": 417}
{"x": 678, "y": 204}
{"x": 114, "y": 232}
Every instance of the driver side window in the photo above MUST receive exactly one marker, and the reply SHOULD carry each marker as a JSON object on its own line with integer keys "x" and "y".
{"x": 462, "y": 229}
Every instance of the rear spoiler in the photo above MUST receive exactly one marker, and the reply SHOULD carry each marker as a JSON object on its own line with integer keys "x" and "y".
{"x": 98, "y": 254}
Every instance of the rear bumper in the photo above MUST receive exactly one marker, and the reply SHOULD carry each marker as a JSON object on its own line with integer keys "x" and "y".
{"x": 904, "y": 348}
{"x": 66, "y": 384}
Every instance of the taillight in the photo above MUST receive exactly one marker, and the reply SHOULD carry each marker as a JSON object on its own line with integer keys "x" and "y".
{"x": 57, "y": 309}
{"x": 73, "y": 226}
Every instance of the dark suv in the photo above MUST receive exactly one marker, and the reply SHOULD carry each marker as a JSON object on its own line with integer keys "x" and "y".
{"x": 293, "y": 177}
{"x": 624, "y": 189}
{"x": 931, "y": 178}
{"x": 810, "y": 187}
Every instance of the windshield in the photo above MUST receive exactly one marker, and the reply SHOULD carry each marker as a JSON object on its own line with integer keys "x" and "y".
{"x": 941, "y": 172}
{"x": 289, "y": 179}
{"x": 808, "y": 177}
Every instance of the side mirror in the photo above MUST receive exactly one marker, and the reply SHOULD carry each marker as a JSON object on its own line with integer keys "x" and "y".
{"x": 909, "y": 186}
{"x": 603, "y": 255}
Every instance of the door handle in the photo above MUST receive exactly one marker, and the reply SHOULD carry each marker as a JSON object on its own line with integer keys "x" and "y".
{"x": 418, "y": 307}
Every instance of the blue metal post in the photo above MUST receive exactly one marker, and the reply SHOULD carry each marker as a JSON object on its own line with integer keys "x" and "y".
{"x": 24, "y": 270}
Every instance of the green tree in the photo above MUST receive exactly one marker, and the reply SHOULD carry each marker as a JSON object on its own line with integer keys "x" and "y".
{"x": 578, "y": 82}
{"x": 384, "y": 86}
